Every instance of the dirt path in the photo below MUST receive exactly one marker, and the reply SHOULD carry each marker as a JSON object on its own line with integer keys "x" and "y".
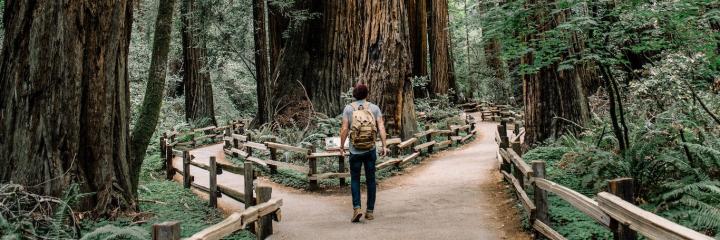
{"x": 455, "y": 194}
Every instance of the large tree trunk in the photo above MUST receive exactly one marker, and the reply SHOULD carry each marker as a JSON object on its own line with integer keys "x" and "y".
{"x": 442, "y": 77}
{"x": 418, "y": 26}
{"x": 417, "y": 22}
{"x": 356, "y": 41}
{"x": 152, "y": 102}
{"x": 261, "y": 61}
{"x": 555, "y": 100}
{"x": 65, "y": 104}
{"x": 199, "y": 107}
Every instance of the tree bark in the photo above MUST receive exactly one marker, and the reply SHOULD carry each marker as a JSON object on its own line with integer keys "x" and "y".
{"x": 417, "y": 23}
{"x": 354, "y": 41}
{"x": 555, "y": 100}
{"x": 64, "y": 100}
{"x": 442, "y": 77}
{"x": 261, "y": 61}
{"x": 199, "y": 107}
{"x": 152, "y": 102}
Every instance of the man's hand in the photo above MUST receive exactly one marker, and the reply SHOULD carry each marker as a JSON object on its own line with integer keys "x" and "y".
{"x": 342, "y": 151}
{"x": 384, "y": 152}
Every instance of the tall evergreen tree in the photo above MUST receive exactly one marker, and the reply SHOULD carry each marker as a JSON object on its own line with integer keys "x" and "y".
{"x": 199, "y": 106}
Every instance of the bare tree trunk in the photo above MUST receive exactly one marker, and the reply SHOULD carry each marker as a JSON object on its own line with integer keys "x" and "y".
{"x": 199, "y": 107}
{"x": 64, "y": 100}
{"x": 442, "y": 72}
{"x": 353, "y": 41}
{"x": 152, "y": 102}
{"x": 261, "y": 61}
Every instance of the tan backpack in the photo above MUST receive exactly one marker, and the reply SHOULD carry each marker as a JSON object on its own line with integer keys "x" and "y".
{"x": 363, "y": 128}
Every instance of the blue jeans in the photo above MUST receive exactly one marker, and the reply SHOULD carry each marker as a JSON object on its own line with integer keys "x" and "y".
{"x": 356, "y": 162}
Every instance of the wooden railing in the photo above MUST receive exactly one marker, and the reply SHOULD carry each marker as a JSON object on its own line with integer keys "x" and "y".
{"x": 238, "y": 145}
{"x": 242, "y": 146}
{"x": 613, "y": 209}
{"x": 257, "y": 218}
{"x": 197, "y": 135}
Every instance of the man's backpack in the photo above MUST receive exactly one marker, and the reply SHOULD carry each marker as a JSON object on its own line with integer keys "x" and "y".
{"x": 363, "y": 128}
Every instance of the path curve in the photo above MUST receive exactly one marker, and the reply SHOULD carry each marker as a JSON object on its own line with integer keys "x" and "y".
{"x": 455, "y": 194}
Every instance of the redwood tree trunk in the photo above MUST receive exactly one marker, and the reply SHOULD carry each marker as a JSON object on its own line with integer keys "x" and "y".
{"x": 199, "y": 107}
{"x": 555, "y": 101}
{"x": 354, "y": 41}
{"x": 152, "y": 101}
{"x": 442, "y": 77}
{"x": 261, "y": 61}
{"x": 417, "y": 22}
{"x": 418, "y": 26}
{"x": 64, "y": 100}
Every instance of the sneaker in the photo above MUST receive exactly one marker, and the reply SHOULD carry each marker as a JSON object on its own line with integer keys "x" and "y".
{"x": 357, "y": 214}
{"x": 369, "y": 215}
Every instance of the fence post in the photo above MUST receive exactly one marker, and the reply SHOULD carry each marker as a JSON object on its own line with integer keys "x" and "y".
{"x": 192, "y": 140}
{"x": 517, "y": 147}
{"x": 504, "y": 165}
{"x": 163, "y": 143}
{"x": 625, "y": 189}
{"x": 312, "y": 163}
{"x": 213, "y": 182}
{"x": 241, "y": 129}
{"x": 247, "y": 149}
{"x": 502, "y": 130}
{"x": 457, "y": 134}
{"x": 249, "y": 172}
{"x": 428, "y": 138}
{"x": 264, "y": 224}
{"x": 186, "y": 169}
{"x": 166, "y": 231}
{"x": 273, "y": 156}
{"x": 341, "y": 169}
{"x": 169, "y": 169}
{"x": 540, "y": 196}
{"x": 228, "y": 134}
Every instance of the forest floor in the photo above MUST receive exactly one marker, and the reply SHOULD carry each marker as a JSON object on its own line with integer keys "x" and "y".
{"x": 455, "y": 194}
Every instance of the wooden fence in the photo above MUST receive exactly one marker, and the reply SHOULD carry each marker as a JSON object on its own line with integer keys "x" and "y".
{"x": 237, "y": 144}
{"x": 260, "y": 208}
{"x": 242, "y": 146}
{"x": 613, "y": 209}
{"x": 258, "y": 218}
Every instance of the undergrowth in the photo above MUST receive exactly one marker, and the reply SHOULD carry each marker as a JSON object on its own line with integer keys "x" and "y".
{"x": 674, "y": 161}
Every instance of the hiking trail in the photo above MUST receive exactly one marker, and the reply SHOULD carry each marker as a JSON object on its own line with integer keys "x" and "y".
{"x": 454, "y": 194}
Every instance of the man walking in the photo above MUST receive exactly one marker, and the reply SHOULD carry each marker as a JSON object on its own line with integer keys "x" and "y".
{"x": 363, "y": 120}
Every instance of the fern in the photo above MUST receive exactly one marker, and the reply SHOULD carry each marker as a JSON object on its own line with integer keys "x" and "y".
{"x": 110, "y": 232}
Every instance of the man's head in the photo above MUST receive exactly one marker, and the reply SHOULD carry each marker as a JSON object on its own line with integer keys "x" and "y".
{"x": 360, "y": 91}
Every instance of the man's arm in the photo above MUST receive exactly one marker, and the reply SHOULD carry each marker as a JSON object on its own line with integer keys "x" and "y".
{"x": 343, "y": 134}
{"x": 383, "y": 135}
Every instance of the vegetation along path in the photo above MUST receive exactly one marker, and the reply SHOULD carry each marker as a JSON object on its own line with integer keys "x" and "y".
{"x": 455, "y": 194}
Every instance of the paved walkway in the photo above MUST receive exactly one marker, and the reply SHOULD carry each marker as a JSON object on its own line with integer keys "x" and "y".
{"x": 456, "y": 194}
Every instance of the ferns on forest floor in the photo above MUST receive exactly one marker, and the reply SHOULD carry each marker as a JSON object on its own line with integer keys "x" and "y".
{"x": 676, "y": 178}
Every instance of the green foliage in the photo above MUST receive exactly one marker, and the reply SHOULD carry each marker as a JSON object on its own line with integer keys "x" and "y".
{"x": 161, "y": 201}
{"x": 24, "y": 215}
{"x": 436, "y": 109}
{"x": 110, "y": 232}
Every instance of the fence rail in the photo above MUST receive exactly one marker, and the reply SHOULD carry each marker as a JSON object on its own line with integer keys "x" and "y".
{"x": 239, "y": 145}
{"x": 421, "y": 144}
{"x": 613, "y": 209}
